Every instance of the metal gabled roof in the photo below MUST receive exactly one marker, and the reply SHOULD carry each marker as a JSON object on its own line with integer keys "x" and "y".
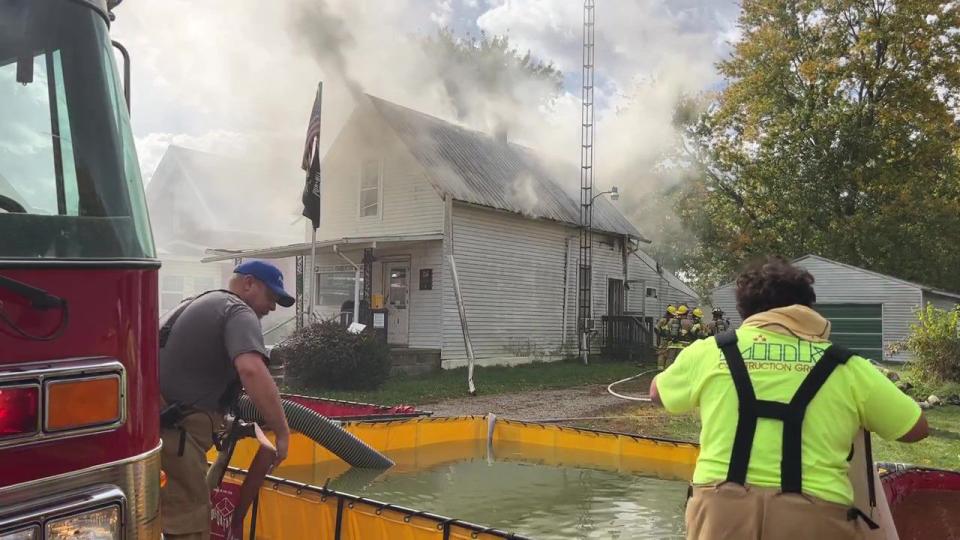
{"x": 477, "y": 168}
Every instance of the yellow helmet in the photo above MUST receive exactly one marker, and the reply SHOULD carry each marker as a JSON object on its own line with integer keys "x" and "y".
{"x": 682, "y": 309}
{"x": 697, "y": 312}
{"x": 671, "y": 309}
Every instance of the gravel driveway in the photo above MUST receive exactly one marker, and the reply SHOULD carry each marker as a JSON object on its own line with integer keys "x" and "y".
{"x": 534, "y": 405}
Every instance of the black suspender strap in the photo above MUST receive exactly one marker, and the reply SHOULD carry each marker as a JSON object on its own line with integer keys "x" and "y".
{"x": 747, "y": 415}
{"x": 790, "y": 466}
{"x": 168, "y": 326}
{"x": 791, "y": 414}
{"x": 868, "y": 455}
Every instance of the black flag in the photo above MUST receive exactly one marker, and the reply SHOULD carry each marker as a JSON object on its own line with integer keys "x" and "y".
{"x": 311, "y": 163}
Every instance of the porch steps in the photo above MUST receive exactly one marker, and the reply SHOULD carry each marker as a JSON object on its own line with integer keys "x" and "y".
{"x": 414, "y": 361}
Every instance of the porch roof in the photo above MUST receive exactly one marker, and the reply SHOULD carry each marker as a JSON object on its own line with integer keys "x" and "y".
{"x": 303, "y": 248}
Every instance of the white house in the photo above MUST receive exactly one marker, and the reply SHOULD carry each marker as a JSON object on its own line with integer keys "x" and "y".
{"x": 868, "y": 311}
{"x": 405, "y": 189}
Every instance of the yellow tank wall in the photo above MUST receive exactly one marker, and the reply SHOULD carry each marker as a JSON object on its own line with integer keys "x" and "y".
{"x": 287, "y": 513}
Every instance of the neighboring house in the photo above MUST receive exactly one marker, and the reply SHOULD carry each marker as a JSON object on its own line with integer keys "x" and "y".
{"x": 406, "y": 189}
{"x": 651, "y": 288}
{"x": 868, "y": 311}
{"x": 198, "y": 201}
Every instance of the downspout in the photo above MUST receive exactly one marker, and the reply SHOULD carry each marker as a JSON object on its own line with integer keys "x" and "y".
{"x": 356, "y": 283}
{"x": 448, "y": 251}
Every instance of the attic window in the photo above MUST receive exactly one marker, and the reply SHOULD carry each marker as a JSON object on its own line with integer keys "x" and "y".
{"x": 652, "y": 292}
{"x": 370, "y": 186}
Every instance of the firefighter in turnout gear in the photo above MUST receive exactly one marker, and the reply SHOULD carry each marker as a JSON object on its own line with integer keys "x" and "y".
{"x": 699, "y": 329}
{"x": 686, "y": 323}
{"x": 671, "y": 332}
{"x": 719, "y": 324}
{"x": 663, "y": 334}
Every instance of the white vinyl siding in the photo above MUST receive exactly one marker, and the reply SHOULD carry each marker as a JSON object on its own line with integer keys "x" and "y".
{"x": 511, "y": 277}
{"x": 370, "y": 188}
{"x": 426, "y": 326}
{"x": 406, "y": 203}
{"x": 642, "y": 275}
{"x": 607, "y": 264}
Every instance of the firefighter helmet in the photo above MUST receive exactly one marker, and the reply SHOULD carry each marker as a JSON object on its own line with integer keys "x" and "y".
{"x": 717, "y": 312}
{"x": 682, "y": 309}
{"x": 671, "y": 309}
{"x": 697, "y": 312}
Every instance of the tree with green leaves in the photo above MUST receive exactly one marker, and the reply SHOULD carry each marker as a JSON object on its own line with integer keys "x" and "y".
{"x": 837, "y": 133}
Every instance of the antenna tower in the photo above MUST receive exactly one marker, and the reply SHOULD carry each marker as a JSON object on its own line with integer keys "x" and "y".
{"x": 584, "y": 298}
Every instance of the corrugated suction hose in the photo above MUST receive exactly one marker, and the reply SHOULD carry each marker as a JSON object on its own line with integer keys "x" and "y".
{"x": 322, "y": 431}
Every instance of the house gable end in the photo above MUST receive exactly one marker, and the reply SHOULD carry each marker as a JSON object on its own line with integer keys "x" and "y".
{"x": 408, "y": 202}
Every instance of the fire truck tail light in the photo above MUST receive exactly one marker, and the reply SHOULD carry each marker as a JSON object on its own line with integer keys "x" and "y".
{"x": 102, "y": 524}
{"x": 23, "y": 534}
{"x": 78, "y": 403}
{"x": 19, "y": 411}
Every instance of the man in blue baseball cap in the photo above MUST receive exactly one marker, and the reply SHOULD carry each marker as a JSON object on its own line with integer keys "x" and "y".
{"x": 211, "y": 349}
{"x": 260, "y": 284}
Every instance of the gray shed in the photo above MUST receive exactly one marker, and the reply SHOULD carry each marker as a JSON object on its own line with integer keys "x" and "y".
{"x": 869, "y": 311}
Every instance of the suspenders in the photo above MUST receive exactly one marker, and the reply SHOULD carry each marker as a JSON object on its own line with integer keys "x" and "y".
{"x": 791, "y": 414}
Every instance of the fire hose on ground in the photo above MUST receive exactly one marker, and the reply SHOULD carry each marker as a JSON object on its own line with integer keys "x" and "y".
{"x": 644, "y": 398}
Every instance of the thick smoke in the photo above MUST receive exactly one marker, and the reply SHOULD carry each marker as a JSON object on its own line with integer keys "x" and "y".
{"x": 241, "y": 75}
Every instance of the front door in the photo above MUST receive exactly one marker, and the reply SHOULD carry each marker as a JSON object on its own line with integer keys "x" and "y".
{"x": 397, "y": 284}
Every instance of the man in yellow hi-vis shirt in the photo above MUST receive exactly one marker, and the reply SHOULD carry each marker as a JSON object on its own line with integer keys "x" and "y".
{"x": 780, "y": 407}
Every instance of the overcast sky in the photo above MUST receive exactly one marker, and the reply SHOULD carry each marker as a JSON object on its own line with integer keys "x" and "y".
{"x": 238, "y": 77}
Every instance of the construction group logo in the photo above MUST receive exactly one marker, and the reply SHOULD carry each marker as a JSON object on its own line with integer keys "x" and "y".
{"x": 798, "y": 356}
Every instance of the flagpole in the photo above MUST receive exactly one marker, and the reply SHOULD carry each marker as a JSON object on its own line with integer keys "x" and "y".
{"x": 313, "y": 274}
{"x": 314, "y": 156}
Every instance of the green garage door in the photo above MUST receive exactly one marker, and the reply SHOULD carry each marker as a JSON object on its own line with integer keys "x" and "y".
{"x": 858, "y": 327}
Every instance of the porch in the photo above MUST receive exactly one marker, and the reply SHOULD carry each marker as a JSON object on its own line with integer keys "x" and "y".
{"x": 392, "y": 283}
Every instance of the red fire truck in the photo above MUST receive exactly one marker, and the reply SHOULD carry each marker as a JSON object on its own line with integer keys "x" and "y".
{"x": 79, "y": 435}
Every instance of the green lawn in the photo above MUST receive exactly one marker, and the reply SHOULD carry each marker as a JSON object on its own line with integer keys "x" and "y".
{"x": 941, "y": 449}
{"x": 452, "y": 383}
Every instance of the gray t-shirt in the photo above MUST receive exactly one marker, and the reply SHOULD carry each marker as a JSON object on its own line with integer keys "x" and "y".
{"x": 197, "y": 364}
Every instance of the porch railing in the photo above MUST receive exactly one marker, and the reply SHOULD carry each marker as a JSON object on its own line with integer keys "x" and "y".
{"x": 627, "y": 336}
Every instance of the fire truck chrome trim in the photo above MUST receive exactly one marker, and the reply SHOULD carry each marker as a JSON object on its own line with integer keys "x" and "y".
{"x": 38, "y": 512}
{"x": 68, "y": 475}
{"x": 138, "y": 477}
{"x": 38, "y": 373}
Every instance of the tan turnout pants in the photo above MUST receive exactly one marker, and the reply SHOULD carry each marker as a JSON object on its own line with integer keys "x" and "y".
{"x": 733, "y": 512}
{"x": 185, "y": 499}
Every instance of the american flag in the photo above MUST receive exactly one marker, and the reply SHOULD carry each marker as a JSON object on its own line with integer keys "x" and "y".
{"x": 311, "y": 163}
